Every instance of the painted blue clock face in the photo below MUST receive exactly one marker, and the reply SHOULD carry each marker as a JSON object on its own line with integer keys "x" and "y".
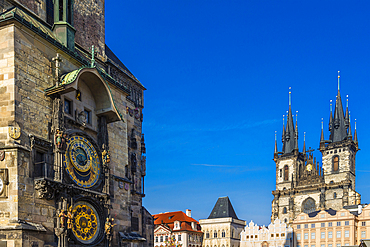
{"x": 82, "y": 162}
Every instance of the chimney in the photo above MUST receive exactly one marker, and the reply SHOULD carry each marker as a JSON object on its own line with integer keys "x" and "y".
{"x": 188, "y": 212}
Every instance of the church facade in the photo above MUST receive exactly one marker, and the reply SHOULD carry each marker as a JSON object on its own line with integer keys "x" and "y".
{"x": 72, "y": 151}
{"x": 302, "y": 184}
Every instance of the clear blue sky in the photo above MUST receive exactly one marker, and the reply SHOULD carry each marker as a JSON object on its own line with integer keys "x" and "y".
{"x": 218, "y": 73}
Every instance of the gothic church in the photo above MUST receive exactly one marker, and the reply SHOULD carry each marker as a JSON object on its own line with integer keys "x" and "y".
{"x": 302, "y": 184}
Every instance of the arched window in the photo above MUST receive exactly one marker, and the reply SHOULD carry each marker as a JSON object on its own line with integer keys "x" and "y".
{"x": 215, "y": 234}
{"x": 285, "y": 220}
{"x": 284, "y": 210}
{"x": 207, "y": 235}
{"x": 335, "y": 163}
{"x": 335, "y": 195}
{"x": 223, "y": 234}
{"x": 265, "y": 244}
{"x": 308, "y": 205}
{"x": 286, "y": 173}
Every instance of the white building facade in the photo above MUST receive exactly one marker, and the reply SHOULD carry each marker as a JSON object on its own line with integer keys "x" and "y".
{"x": 277, "y": 234}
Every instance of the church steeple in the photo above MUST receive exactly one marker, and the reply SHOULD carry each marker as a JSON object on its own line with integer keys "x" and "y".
{"x": 338, "y": 126}
{"x": 291, "y": 136}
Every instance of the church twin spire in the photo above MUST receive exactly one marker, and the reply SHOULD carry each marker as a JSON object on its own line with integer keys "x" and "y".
{"x": 339, "y": 126}
{"x": 339, "y": 123}
{"x": 290, "y": 133}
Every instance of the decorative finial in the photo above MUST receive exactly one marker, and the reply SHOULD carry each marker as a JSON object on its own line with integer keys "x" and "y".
{"x": 331, "y": 105}
{"x": 304, "y": 136}
{"x": 283, "y": 119}
{"x": 92, "y": 57}
{"x": 322, "y": 123}
{"x": 275, "y": 135}
{"x": 355, "y": 124}
{"x": 290, "y": 96}
{"x": 338, "y": 79}
{"x": 347, "y": 100}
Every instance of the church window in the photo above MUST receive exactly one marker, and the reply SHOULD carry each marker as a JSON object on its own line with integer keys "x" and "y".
{"x": 215, "y": 234}
{"x": 286, "y": 173}
{"x": 335, "y": 163}
{"x": 88, "y": 116}
{"x": 363, "y": 234}
{"x": 298, "y": 236}
{"x": 330, "y": 234}
{"x": 232, "y": 233}
{"x": 50, "y": 12}
{"x": 346, "y": 234}
{"x": 338, "y": 223}
{"x": 306, "y": 226}
{"x": 135, "y": 224}
{"x": 223, "y": 233}
{"x": 284, "y": 210}
{"x": 330, "y": 224}
{"x": 346, "y": 223}
{"x": 322, "y": 235}
{"x": 306, "y": 235}
{"x": 68, "y": 106}
{"x": 312, "y": 225}
{"x": 363, "y": 223}
{"x": 308, "y": 206}
{"x": 335, "y": 195}
{"x": 69, "y": 12}
{"x": 298, "y": 226}
{"x": 60, "y": 10}
{"x": 313, "y": 235}
{"x": 207, "y": 234}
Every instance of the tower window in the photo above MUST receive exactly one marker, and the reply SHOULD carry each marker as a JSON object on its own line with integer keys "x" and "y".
{"x": 286, "y": 173}
{"x": 335, "y": 163}
{"x": 284, "y": 210}
{"x": 50, "y": 12}
{"x": 335, "y": 195}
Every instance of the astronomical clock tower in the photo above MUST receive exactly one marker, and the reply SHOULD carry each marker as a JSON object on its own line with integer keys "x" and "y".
{"x": 306, "y": 185}
{"x": 72, "y": 151}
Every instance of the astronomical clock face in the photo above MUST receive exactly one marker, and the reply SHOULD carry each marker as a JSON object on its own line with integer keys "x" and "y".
{"x": 82, "y": 162}
{"x": 85, "y": 222}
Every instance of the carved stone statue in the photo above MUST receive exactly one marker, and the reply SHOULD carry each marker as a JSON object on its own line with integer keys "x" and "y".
{"x": 69, "y": 218}
{"x": 62, "y": 215}
{"x": 105, "y": 155}
{"x": 108, "y": 228}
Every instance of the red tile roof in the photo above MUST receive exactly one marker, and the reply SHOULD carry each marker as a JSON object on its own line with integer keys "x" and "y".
{"x": 170, "y": 218}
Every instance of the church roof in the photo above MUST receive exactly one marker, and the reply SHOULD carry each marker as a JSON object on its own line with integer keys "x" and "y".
{"x": 111, "y": 56}
{"x": 223, "y": 209}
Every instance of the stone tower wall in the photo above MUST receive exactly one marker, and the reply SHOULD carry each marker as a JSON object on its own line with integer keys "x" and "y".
{"x": 346, "y": 165}
{"x": 89, "y": 22}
